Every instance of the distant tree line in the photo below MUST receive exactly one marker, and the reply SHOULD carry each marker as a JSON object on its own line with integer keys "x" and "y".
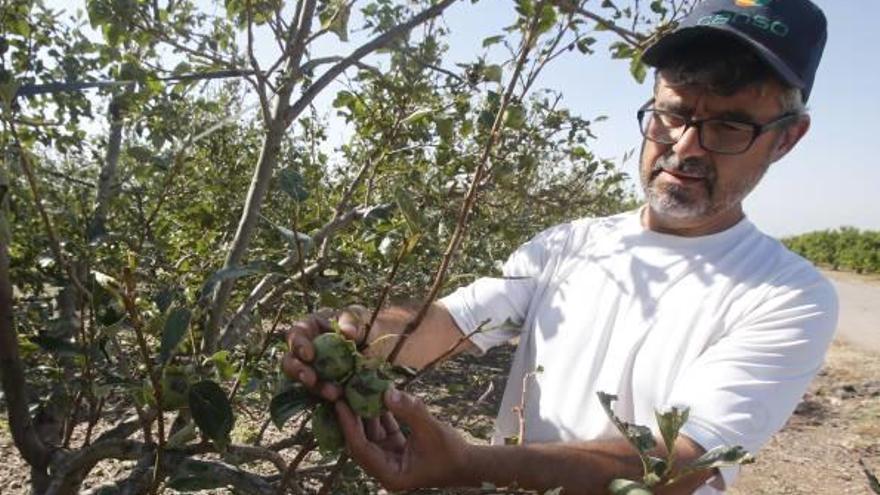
{"x": 847, "y": 248}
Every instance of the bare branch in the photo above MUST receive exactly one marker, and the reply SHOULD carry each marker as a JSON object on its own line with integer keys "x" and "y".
{"x": 528, "y": 43}
{"x": 268, "y": 289}
{"x": 569, "y": 6}
{"x": 361, "y": 52}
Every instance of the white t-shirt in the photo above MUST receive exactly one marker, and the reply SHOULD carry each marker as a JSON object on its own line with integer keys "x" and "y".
{"x": 732, "y": 325}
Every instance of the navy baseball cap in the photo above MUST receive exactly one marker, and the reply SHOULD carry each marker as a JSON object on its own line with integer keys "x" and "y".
{"x": 789, "y": 35}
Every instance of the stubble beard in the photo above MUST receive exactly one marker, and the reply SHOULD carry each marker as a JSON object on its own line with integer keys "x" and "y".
{"x": 693, "y": 203}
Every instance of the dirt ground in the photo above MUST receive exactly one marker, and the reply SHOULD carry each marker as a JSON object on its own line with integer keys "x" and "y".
{"x": 836, "y": 424}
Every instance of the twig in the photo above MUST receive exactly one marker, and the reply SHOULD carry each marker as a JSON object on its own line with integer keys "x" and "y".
{"x": 386, "y": 289}
{"x": 290, "y": 470}
{"x": 267, "y": 340}
{"x": 128, "y": 298}
{"x": 54, "y": 244}
{"x": 470, "y": 198}
{"x": 633, "y": 38}
{"x": 369, "y": 47}
{"x": 330, "y": 480}
{"x": 434, "y": 362}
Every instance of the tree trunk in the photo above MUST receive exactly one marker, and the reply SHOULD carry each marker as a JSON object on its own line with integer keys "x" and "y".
{"x": 247, "y": 223}
{"x": 24, "y": 433}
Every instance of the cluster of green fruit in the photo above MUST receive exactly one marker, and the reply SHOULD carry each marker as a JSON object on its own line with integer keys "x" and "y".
{"x": 364, "y": 381}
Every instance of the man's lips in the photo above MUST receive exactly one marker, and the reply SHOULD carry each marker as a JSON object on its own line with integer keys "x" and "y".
{"x": 682, "y": 177}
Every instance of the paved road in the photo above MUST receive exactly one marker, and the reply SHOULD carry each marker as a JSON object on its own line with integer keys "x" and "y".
{"x": 859, "y": 309}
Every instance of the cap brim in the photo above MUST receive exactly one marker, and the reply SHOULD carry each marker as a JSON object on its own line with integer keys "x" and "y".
{"x": 673, "y": 41}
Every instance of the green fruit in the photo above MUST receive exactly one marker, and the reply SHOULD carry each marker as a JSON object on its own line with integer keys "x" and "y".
{"x": 622, "y": 486}
{"x": 363, "y": 392}
{"x": 326, "y": 429}
{"x": 334, "y": 356}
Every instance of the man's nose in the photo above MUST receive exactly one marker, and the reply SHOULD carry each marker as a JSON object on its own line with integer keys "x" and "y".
{"x": 689, "y": 144}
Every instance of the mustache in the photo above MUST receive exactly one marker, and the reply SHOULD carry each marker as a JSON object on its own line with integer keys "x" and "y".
{"x": 693, "y": 167}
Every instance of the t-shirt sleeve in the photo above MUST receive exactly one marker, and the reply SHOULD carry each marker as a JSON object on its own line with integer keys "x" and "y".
{"x": 743, "y": 389}
{"x": 498, "y": 306}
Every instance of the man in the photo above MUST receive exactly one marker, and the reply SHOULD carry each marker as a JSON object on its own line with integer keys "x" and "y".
{"x": 683, "y": 302}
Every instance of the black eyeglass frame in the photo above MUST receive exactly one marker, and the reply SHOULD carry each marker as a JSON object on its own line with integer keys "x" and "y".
{"x": 757, "y": 129}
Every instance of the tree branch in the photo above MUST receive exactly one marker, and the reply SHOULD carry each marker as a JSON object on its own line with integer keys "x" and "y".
{"x": 367, "y": 48}
{"x": 528, "y": 43}
{"x": 631, "y": 37}
{"x": 25, "y": 436}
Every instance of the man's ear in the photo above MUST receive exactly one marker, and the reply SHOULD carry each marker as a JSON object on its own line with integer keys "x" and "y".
{"x": 790, "y": 136}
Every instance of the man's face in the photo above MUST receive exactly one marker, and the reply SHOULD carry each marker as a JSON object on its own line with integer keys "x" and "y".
{"x": 687, "y": 186}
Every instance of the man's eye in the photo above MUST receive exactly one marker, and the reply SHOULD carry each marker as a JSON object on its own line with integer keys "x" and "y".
{"x": 730, "y": 127}
{"x": 669, "y": 120}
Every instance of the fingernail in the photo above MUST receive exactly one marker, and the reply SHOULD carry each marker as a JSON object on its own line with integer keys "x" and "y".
{"x": 394, "y": 395}
{"x": 302, "y": 376}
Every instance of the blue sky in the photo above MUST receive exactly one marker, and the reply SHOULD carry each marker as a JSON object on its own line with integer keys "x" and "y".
{"x": 831, "y": 179}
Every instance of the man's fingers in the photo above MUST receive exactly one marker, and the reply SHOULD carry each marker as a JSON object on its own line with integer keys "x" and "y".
{"x": 374, "y": 429}
{"x": 367, "y": 454}
{"x": 297, "y": 370}
{"x": 394, "y": 437}
{"x": 409, "y": 409}
{"x": 352, "y": 321}
{"x": 300, "y": 344}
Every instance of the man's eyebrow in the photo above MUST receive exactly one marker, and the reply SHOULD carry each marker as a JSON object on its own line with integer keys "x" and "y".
{"x": 673, "y": 107}
{"x": 684, "y": 110}
{"x": 735, "y": 115}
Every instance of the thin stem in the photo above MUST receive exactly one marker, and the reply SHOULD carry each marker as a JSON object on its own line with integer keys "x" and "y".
{"x": 470, "y": 199}
{"x": 330, "y": 480}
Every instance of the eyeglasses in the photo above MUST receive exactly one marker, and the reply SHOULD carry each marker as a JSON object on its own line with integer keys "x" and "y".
{"x": 724, "y": 136}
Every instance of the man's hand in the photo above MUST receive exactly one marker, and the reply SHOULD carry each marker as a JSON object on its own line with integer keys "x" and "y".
{"x": 297, "y": 363}
{"x": 433, "y": 455}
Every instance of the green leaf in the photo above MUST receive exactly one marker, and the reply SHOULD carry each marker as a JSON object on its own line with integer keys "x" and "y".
{"x": 658, "y": 8}
{"x": 637, "y": 68}
{"x": 410, "y": 214}
{"x": 584, "y": 45}
{"x": 445, "y": 128}
{"x": 622, "y": 486}
{"x": 718, "y": 457}
{"x": 7, "y": 93}
{"x": 287, "y": 404}
{"x": 547, "y": 19}
{"x": 220, "y": 360}
{"x": 335, "y": 18}
{"x": 492, "y": 40}
{"x": 621, "y": 50}
{"x": 492, "y": 73}
{"x": 291, "y": 183}
{"x": 176, "y": 325}
{"x": 640, "y": 437}
{"x": 212, "y": 412}
{"x": 514, "y": 117}
{"x": 417, "y": 115}
{"x": 670, "y": 423}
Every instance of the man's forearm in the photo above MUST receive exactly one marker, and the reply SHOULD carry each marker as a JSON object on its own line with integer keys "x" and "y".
{"x": 578, "y": 467}
{"x": 435, "y": 336}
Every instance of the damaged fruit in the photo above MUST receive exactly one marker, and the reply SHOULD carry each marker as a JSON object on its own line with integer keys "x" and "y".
{"x": 364, "y": 391}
